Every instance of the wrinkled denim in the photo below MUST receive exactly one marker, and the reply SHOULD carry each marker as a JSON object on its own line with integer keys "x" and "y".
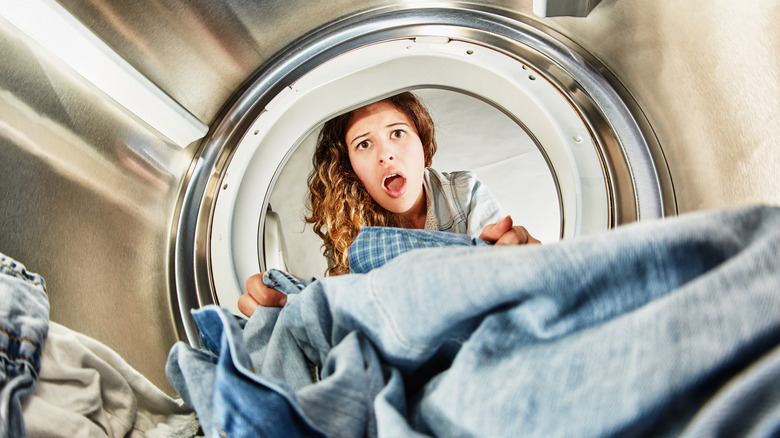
{"x": 653, "y": 329}
{"x": 219, "y": 382}
{"x": 284, "y": 282}
{"x": 24, "y": 324}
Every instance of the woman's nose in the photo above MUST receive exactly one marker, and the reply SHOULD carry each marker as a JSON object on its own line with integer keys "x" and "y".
{"x": 386, "y": 153}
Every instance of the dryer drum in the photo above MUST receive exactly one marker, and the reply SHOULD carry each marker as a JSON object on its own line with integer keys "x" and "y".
{"x": 603, "y": 157}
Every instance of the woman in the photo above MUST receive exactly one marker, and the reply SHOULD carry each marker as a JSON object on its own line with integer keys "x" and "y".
{"x": 371, "y": 167}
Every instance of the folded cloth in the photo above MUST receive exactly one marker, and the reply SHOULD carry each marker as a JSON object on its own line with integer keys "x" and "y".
{"x": 86, "y": 389}
{"x": 24, "y": 323}
{"x": 653, "y": 329}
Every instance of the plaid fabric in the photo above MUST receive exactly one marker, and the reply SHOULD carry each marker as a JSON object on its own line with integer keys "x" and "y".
{"x": 375, "y": 246}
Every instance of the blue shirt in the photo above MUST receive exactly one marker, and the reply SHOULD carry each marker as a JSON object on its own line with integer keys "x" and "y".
{"x": 458, "y": 202}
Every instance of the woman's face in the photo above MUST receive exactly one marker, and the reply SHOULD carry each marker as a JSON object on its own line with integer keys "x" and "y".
{"x": 387, "y": 155}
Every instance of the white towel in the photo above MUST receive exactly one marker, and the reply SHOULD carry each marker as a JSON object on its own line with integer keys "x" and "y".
{"x": 85, "y": 389}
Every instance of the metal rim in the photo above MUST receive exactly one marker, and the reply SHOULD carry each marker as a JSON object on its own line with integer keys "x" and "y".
{"x": 632, "y": 161}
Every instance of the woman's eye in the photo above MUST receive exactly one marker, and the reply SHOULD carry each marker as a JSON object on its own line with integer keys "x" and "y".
{"x": 398, "y": 133}
{"x": 362, "y": 145}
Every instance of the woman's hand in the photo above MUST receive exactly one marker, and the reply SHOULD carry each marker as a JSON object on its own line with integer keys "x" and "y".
{"x": 503, "y": 233}
{"x": 258, "y": 294}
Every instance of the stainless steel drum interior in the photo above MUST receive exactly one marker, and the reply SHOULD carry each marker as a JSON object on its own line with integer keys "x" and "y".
{"x": 116, "y": 218}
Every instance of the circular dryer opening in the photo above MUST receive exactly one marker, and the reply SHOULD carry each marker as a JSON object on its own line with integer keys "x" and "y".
{"x": 514, "y": 169}
{"x": 595, "y": 159}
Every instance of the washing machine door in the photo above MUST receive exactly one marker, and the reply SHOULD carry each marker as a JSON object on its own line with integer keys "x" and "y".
{"x": 637, "y": 111}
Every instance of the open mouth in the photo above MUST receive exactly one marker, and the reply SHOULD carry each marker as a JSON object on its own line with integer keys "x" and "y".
{"x": 394, "y": 184}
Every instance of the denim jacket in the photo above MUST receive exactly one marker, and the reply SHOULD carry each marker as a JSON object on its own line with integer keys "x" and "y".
{"x": 461, "y": 203}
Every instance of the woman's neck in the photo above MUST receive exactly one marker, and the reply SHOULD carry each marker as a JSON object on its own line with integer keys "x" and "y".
{"x": 415, "y": 216}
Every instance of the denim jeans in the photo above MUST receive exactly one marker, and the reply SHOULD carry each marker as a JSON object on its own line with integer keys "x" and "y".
{"x": 653, "y": 329}
{"x": 24, "y": 324}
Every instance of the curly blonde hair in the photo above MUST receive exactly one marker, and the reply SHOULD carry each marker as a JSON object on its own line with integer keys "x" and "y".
{"x": 338, "y": 202}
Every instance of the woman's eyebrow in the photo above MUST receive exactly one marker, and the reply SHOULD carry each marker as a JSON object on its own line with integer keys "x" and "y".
{"x": 357, "y": 137}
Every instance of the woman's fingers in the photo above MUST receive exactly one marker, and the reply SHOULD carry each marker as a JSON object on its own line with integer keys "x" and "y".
{"x": 493, "y": 232}
{"x": 247, "y": 305}
{"x": 518, "y": 235}
{"x": 503, "y": 233}
{"x": 258, "y": 294}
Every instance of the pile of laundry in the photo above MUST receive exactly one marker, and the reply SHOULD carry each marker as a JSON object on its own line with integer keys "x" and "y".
{"x": 56, "y": 382}
{"x": 660, "y": 328}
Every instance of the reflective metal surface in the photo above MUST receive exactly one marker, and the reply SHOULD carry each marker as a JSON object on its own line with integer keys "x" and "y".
{"x": 90, "y": 198}
{"x": 87, "y": 198}
{"x": 706, "y": 75}
{"x": 560, "y": 8}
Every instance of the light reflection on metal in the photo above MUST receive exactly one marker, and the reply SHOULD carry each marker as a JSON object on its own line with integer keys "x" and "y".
{"x": 63, "y": 36}
{"x": 561, "y": 8}
{"x": 72, "y": 157}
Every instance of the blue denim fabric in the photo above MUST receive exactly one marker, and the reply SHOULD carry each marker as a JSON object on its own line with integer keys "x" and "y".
{"x": 653, "y": 329}
{"x": 219, "y": 382}
{"x": 24, "y": 324}
{"x": 375, "y": 246}
{"x": 284, "y": 282}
